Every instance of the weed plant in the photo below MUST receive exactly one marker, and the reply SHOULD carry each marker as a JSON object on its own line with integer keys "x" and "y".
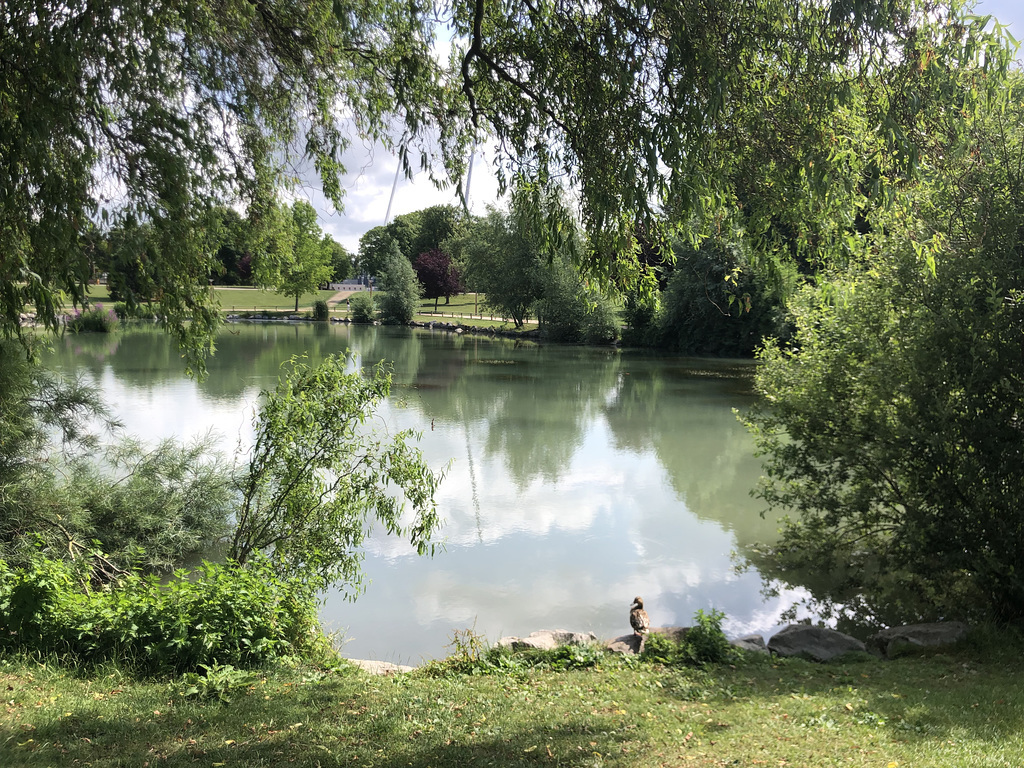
{"x": 93, "y": 320}
{"x": 218, "y": 614}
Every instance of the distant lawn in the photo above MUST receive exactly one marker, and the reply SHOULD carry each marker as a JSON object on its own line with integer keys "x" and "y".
{"x": 240, "y": 299}
{"x": 466, "y": 308}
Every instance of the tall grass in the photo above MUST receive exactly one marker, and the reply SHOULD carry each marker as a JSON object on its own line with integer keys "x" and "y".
{"x": 96, "y": 319}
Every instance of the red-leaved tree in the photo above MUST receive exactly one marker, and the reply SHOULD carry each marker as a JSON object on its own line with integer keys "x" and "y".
{"x": 438, "y": 275}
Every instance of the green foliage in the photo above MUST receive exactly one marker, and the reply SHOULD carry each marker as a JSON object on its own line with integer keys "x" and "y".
{"x": 362, "y": 307}
{"x": 290, "y": 255}
{"x": 715, "y": 304}
{"x": 144, "y": 508}
{"x": 703, "y": 644}
{"x": 400, "y": 290}
{"x": 340, "y": 259}
{"x": 229, "y": 236}
{"x": 35, "y": 406}
{"x": 180, "y": 108}
{"x": 892, "y": 427}
{"x": 640, "y": 314}
{"x": 317, "y": 476}
{"x": 219, "y": 614}
{"x": 662, "y": 649}
{"x": 503, "y": 259}
{"x": 783, "y": 119}
{"x": 320, "y": 310}
{"x": 571, "y": 311}
{"x": 437, "y": 225}
{"x": 217, "y": 681}
{"x": 93, "y": 320}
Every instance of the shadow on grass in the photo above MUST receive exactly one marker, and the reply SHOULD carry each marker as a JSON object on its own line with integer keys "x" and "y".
{"x": 334, "y": 722}
{"x": 927, "y": 696}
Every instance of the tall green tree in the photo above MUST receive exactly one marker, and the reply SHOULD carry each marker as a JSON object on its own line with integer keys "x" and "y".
{"x": 292, "y": 258}
{"x": 400, "y": 290}
{"x": 317, "y": 478}
{"x": 504, "y": 257}
{"x": 340, "y": 259}
{"x": 892, "y": 425}
{"x": 437, "y": 225}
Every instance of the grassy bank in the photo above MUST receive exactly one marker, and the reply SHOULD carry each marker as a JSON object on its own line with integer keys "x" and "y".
{"x": 466, "y": 308}
{"x": 958, "y": 708}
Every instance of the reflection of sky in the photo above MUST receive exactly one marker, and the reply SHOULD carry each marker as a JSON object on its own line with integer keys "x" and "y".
{"x": 565, "y": 546}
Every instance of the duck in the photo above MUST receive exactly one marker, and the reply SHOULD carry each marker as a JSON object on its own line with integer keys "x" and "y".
{"x": 638, "y": 618}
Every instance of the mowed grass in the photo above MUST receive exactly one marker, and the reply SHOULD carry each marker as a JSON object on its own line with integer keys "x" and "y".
{"x": 466, "y": 309}
{"x": 236, "y": 299}
{"x": 939, "y": 709}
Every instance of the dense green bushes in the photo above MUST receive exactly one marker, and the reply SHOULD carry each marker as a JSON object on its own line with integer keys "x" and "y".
{"x": 713, "y": 303}
{"x": 145, "y": 508}
{"x": 894, "y": 426}
{"x": 571, "y": 311}
{"x": 362, "y": 307}
{"x": 218, "y": 614}
{"x": 94, "y": 320}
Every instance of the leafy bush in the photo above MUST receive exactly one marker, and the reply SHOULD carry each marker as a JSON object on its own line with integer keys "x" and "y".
{"x": 401, "y": 291}
{"x": 93, "y": 320}
{"x": 640, "y": 313}
{"x": 703, "y": 643}
{"x": 715, "y": 305}
{"x": 362, "y": 307}
{"x": 706, "y": 643}
{"x": 219, "y": 614}
{"x": 573, "y": 312}
{"x": 662, "y": 649}
{"x": 145, "y": 508}
{"x": 317, "y": 475}
{"x": 320, "y": 310}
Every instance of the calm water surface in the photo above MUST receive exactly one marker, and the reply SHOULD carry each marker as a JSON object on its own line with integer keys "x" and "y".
{"x": 579, "y": 478}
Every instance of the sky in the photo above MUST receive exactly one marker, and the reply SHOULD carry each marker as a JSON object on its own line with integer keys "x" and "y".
{"x": 371, "y": 175}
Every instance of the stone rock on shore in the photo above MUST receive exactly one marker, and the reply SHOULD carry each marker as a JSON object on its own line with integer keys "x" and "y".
{"x": 548, "y": 639}
{"x": 380, "y": 667}
{"x": 752, "y": 643}
{"x": 891, "y": 641}
{"x": 817, "y": 643}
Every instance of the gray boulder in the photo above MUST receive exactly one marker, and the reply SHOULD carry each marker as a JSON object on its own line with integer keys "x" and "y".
{"x": 548, "y": 639}
{"x": 891, "y": 641}
{"x": 816, "y": 643}
{"x": 634, "y": 644}
{"x": 631, "y": 644}
{"x": 751, "y": 643}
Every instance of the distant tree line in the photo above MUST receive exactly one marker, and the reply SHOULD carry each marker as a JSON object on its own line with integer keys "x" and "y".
{"x": 283, "y": 249}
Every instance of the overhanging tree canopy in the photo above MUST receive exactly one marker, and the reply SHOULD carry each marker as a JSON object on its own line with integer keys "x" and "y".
{"x": 151, "y": 112}
{"x": 121, "y": 111}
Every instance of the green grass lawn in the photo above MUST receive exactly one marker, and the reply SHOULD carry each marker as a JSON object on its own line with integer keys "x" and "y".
{"x": 466, "y": 308}
{"x": 962, "y": 708}
{"x": 258, "y": 300}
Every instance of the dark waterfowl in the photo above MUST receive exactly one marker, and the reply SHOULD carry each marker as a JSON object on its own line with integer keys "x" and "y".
{"x": 638, "y": 618}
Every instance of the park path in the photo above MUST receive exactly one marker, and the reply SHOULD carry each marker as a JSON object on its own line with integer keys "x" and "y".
{"x": 341, "y": 295}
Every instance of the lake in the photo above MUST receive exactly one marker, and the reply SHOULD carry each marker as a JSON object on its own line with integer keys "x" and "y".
{"x": 579, "y": 477}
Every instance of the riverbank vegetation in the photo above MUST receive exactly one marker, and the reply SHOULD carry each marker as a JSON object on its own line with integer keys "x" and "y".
{"x": 836, "y": 186}
{"x": 960, "y": 708}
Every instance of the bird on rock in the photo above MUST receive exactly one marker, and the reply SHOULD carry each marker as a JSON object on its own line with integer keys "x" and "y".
{"x": 638, "y": 618}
